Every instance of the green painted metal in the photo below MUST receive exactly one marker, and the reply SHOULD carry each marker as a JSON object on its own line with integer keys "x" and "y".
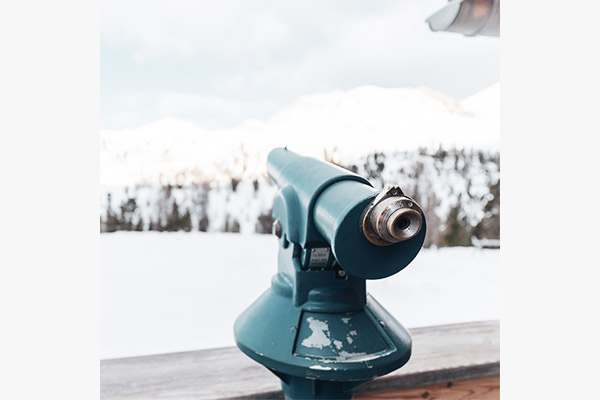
{"x": 315, "y": 327}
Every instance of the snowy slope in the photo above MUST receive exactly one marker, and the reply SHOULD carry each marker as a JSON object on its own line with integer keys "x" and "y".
{"x": 346, "y": 124}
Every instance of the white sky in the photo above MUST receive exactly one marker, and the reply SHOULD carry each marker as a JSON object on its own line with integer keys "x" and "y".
{"x": 219, "y": 63}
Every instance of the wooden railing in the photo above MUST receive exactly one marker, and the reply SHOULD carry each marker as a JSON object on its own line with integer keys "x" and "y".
{"x": 458, "y": 361}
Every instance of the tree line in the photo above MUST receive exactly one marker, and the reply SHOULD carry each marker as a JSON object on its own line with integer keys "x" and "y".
{"x": 469, "y": 178}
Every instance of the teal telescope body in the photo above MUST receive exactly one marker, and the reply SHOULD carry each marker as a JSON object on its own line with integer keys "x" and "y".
{"x": 316, "y": 327}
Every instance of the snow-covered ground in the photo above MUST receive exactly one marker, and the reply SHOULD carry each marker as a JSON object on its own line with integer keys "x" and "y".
{"x": 168, "y": 292}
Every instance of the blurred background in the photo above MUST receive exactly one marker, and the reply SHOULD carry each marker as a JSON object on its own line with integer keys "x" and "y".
{"x": 194, "y": 95}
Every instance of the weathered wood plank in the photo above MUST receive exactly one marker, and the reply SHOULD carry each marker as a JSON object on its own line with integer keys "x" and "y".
{"x": 473, "y": 389}
{"x": 445, "y": 353}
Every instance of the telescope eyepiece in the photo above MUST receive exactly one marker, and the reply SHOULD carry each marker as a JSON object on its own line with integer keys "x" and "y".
{"x": 392, "y": 218}
{"x": 404, "y": 224}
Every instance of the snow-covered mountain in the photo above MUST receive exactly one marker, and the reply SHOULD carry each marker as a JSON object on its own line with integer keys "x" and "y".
{"x": 173, "y": 175}
{"x": 344, "y": 124}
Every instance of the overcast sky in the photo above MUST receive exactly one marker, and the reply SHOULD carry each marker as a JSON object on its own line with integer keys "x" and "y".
{"x": 221, "y": 62}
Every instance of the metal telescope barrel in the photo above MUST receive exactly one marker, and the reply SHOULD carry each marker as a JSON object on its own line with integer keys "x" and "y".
{"x": 372, "y": 233}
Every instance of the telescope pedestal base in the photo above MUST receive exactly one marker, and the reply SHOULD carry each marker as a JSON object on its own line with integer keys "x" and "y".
{"x": 320, "y": 355}
{"x": 298, "y": 388}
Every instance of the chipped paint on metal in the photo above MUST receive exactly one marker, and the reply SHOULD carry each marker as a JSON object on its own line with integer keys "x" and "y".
{"x": 320, "y": 367}
{"x": 347, "y": 356}
{"x": 319, "y": 337}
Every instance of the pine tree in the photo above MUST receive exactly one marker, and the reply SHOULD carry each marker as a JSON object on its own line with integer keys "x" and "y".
{"x": 234, "y": 183}
{"x": 156, "y": 225}
{"x": 129, "y": 210}
{"x": 173, "y": 218}
{"x": 433, "y": 236}
{"x": 202, "y": 201}
{"x": 489, "y": 226}
{"x": 111, "y": 223}
{"x": 458, "y": 232}
{"x": 139, "y": 227}
{"x": 186, "y": 221}
{"x": 265, "y": 223}
{"x": 440, "y": 154}
{"x": 374, "y": 165}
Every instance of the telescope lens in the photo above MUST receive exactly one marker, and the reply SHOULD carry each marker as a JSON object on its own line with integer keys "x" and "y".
{"x": 392, "y": 219}
{"x": 402, "y": 223}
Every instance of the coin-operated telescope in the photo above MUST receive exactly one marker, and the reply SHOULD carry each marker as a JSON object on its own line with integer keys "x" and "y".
{"x": 316, "y": 327}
